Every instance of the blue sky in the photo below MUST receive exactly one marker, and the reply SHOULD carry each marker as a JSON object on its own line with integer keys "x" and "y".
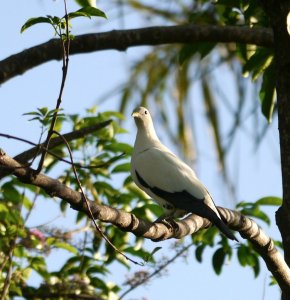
{"x": 255, "y": 174}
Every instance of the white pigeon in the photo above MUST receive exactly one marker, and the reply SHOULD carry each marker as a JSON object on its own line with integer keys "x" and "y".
{"x": 168, "y": 180}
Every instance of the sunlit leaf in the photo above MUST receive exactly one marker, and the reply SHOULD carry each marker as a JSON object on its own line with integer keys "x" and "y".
{"x": 34, "y": 21}
{"x": 119, "y": 147}
{"x": 65, "y": 246}
{"x": 276, "y": 201}
{"x": 87, "y": 11}
{"x": 259, "y": 62}
{"x": 122, "y": 168}
{"x": 85, "y": 3}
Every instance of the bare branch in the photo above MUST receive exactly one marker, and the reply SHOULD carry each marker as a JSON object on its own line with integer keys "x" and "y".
{"x": 64, "y": 38}
{"x": 25, "y": 156}
{"x": 120, "y": 40}
{"x": 70, "y": 136}
{"x": 248, "y": 229}
{"x": 158, "y": 270}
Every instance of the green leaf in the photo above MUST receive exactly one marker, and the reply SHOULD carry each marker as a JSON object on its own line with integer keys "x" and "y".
{"x": 187, "y": 51}
{"x": 26, "y": 202}
{"x": 149, "y": 257}
{"x": 87, "y": 11}
{"x": 122, "y": 168}
{"x": 258, "y": 62}
{"x": 38, "y": 264}
{"x": 247, "y": 257}
{"x": 3, "y": 207}
{"x": 84, "y": 3}
{"x": 256, "y": 266}
{"x": 154, "y": 208}
{"x": 272, "y": 200}
{"x": 267, "y": 93}
{"x": 198, "y": 252}
{"x": 256, "y": 213}
{"x": 58, "y": 244}
{"x": 34, "y": 21}
{"x": 155, "y": 250}
{"x": 242, "y": 255}
{"x": 66, "y": 246}
{"x": 119, "y": 147}
{"x": 10, "y": 193}
{"x": 218, "y": 260}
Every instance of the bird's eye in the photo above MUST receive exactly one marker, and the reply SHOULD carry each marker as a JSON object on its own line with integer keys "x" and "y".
{"x": 145, "y": 112}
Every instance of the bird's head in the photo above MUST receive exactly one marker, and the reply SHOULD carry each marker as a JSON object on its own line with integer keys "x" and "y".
{"x": 144, "y": 125}
{"x": 142, "y": 117}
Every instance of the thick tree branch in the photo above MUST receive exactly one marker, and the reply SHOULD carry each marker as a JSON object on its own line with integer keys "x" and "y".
{"x": 248, "y": 229}
{"x": 120, "y": 40}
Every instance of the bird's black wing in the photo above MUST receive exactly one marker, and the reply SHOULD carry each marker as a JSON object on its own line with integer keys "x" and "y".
{"x": 185, "y": 201}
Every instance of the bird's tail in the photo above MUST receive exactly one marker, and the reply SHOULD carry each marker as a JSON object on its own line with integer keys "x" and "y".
{"x": 224, "y": 228}
{"x": 214, "y": 216}
{"x": 205, "y": 211}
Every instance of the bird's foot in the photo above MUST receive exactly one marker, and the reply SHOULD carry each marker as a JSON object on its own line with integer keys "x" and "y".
{"x": 168, "y": 221}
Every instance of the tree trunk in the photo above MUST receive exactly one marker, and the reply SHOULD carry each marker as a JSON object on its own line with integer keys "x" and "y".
{"x": 277, "y": 12}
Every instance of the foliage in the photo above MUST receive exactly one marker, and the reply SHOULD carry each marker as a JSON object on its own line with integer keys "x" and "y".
{"x": 186, "y": 70}
{"x": 59, "y": 24}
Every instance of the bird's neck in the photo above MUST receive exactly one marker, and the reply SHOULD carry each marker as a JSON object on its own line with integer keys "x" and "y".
{"x": 145, "y": 139}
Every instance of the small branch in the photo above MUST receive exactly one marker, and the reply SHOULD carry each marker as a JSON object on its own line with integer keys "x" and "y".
{"x": 25, "y": 156}
{"x": 86, "y": 202}
{"x": 121, "y": 40}
{"x": 5, "y": 288}
{"x": 156, "y": 272}
{"x": 65, "y": 41}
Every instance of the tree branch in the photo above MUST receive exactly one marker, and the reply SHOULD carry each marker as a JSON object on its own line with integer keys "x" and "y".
{"x": 25, "y": 156}
{"x": 248, "y": 229}
{"x": 120, "y": 40}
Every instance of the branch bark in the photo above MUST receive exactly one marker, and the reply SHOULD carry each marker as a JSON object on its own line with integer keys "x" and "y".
{"x": 19, "y": 63}
{"x": 277, "y": 12}
{"x": 248, "y": 229}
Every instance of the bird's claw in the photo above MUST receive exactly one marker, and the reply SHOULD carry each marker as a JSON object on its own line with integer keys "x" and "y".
{"x": 169, "y": 222}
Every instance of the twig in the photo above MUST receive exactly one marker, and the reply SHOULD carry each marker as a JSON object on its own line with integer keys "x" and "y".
{"x": 89, "y": 208}
{"x": 32, "y": 205}
{"x": 54, "y": 142}
{"x": 33, "y": 152}
{"x": 7, "y": 281}
{"x": 156, "y": 272}
{"x": 65, "y": 62}
{"x": 78, "y": 165}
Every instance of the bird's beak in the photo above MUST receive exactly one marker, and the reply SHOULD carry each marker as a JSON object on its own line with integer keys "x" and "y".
{"x": 135, "y": 114}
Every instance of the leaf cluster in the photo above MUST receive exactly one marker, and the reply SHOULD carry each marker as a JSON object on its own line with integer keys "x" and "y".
{"x": 59, "y": 24}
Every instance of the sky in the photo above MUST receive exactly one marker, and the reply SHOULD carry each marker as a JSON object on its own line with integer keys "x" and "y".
{"x": 255, "y": 173}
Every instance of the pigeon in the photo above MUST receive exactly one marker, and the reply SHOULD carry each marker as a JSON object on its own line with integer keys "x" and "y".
{"x": 167, "y": 179}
